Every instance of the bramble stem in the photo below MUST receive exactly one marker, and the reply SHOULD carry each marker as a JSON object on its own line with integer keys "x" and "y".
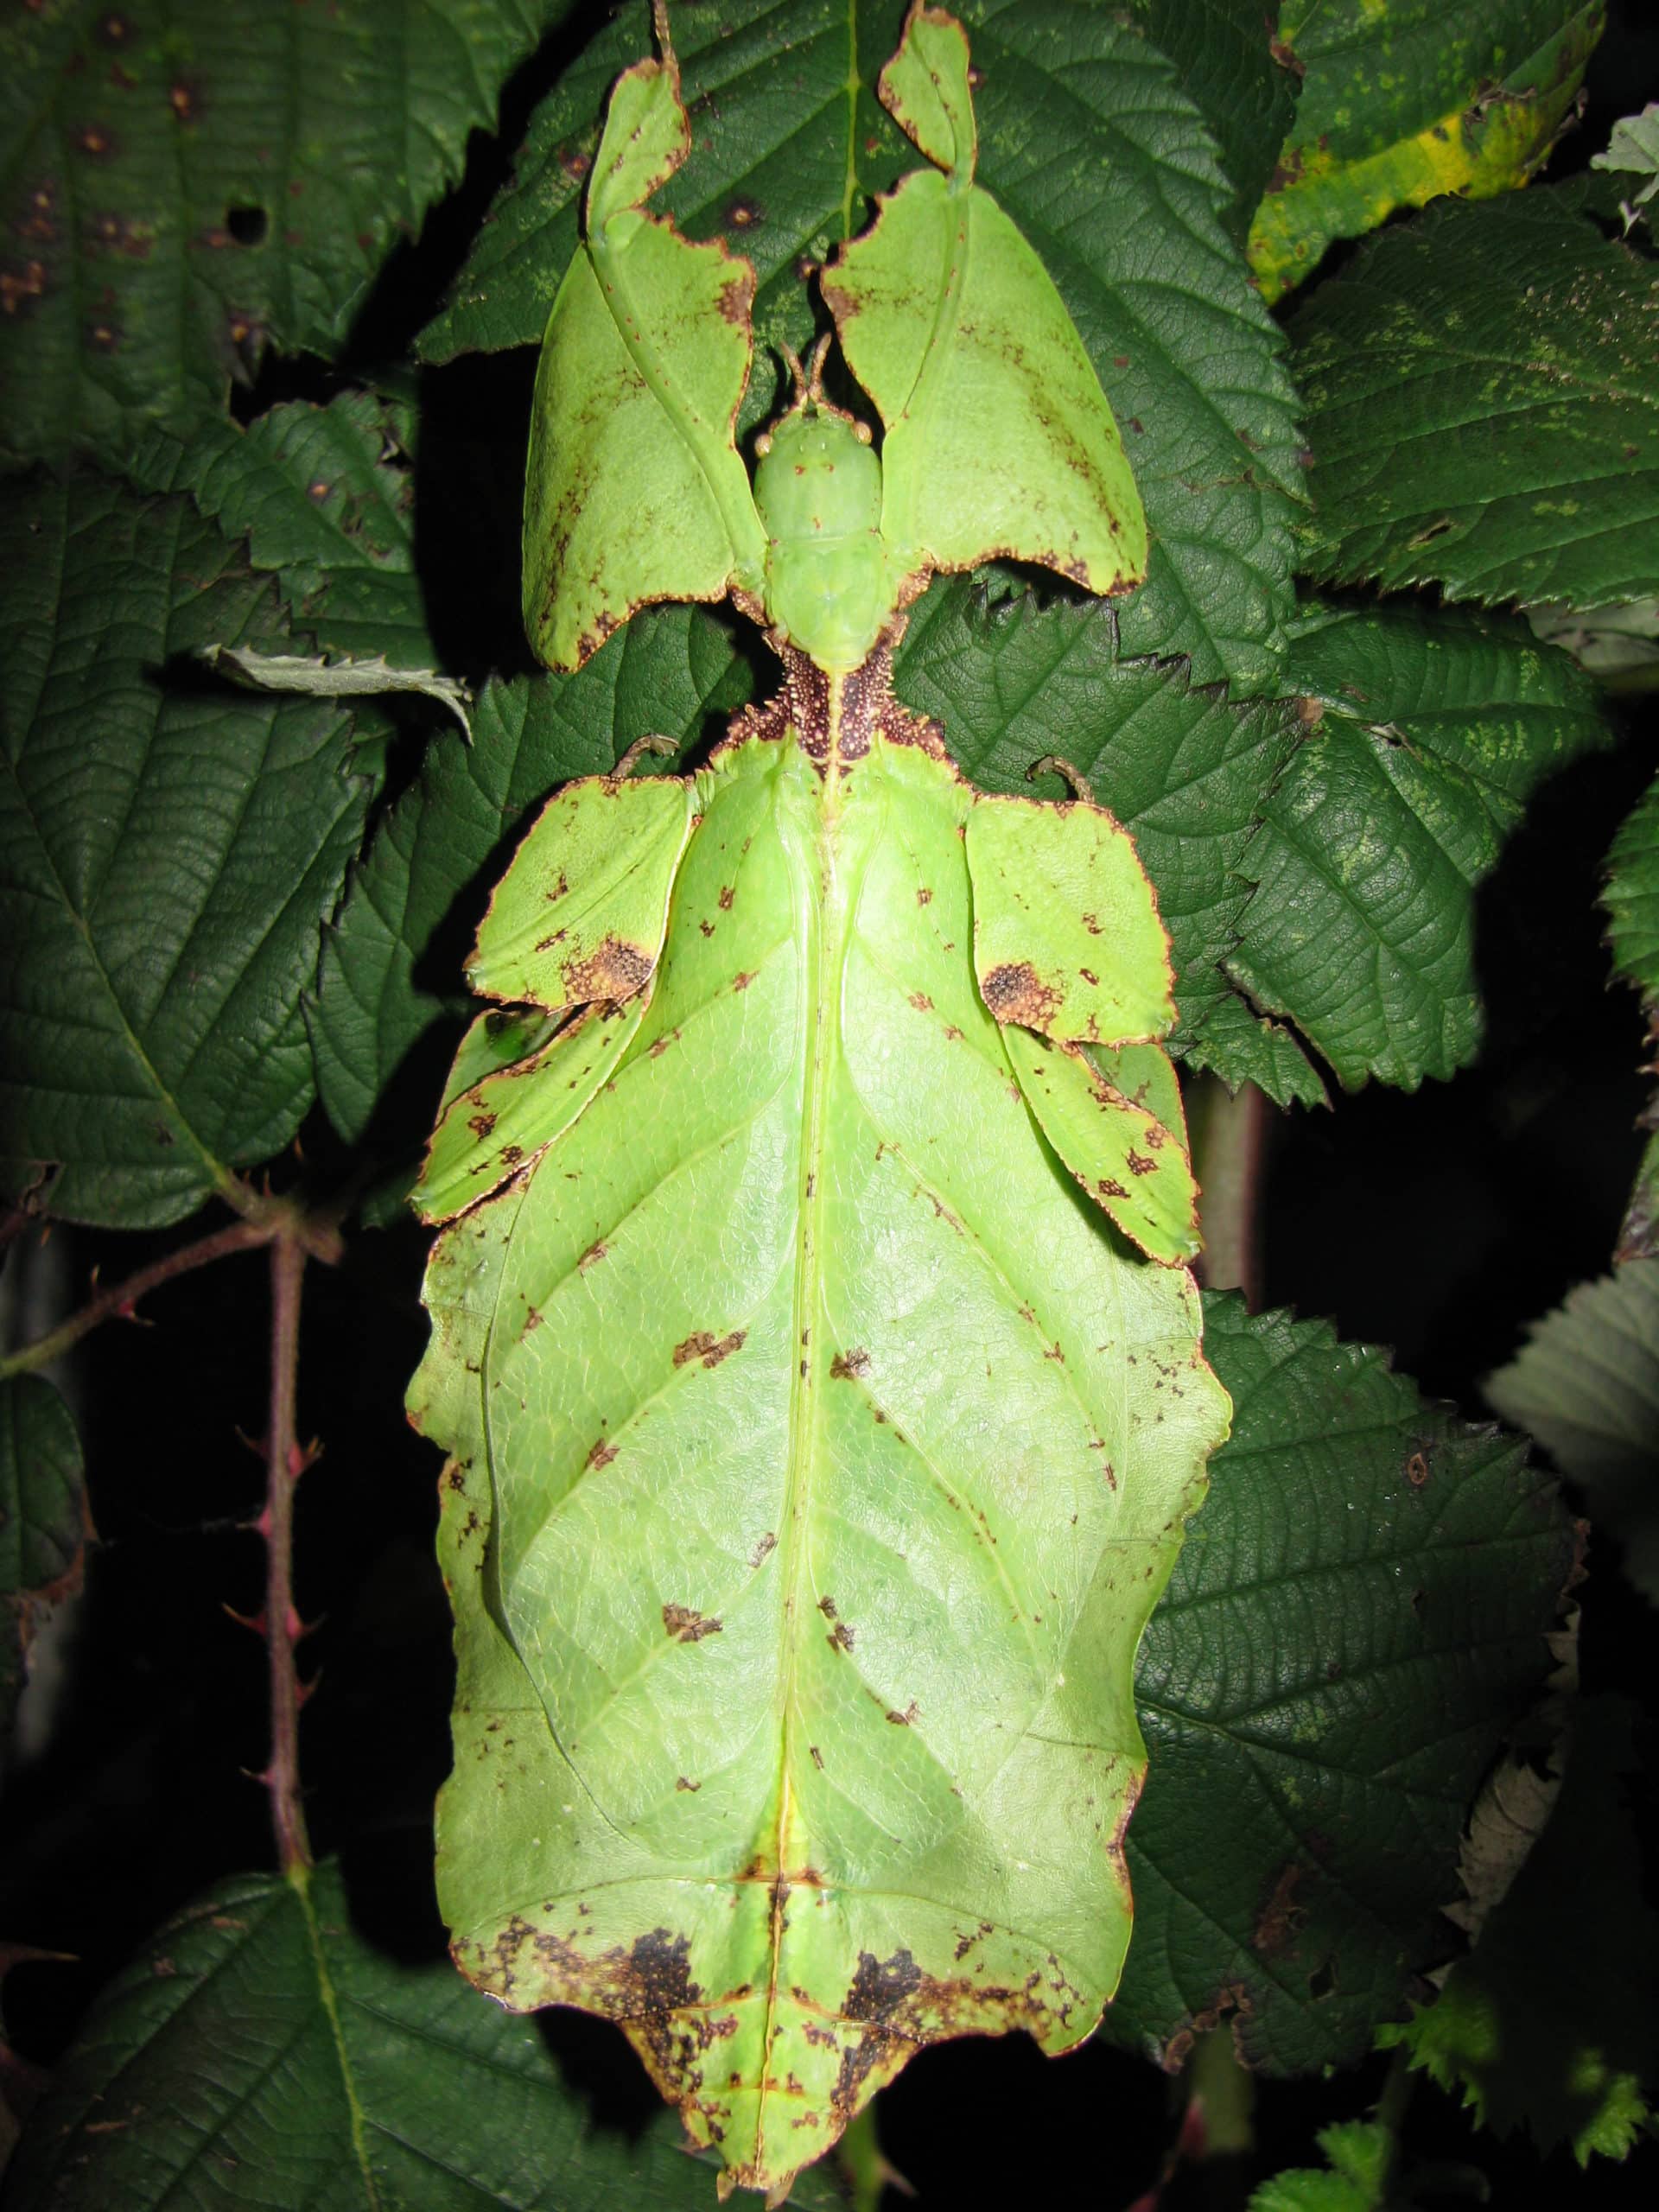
{"x": 286, "y": 1460}
{"x": 122, "y": 1297}
{"x": 1229, "y": 1142}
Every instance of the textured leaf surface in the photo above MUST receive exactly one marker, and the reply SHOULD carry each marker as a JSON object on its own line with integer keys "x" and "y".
{"x": 1432, "y": 732}
{"x": 324, "y": 496}
{"x": 783, "y": 1708}
{"x": 1222, "y": 53}
{"x": 1482, "y": 389}
{"x": 182, "y": 188}
{"x": 1104, "y": 164}
{"x": 171, "y": 848}
{"x": 261, "y": 2053}
{"x": 1355, "y": 1620}
{"x": 1403, "y": 102}
{"x": 40, "y": 1516}
{"x": 1548, "y": 2025}
{"x": 1631, "y": 897}
{"x": 1586, "y": 1384}
{"x": 389, "y": 968}
{"x": 1187, "y": 774}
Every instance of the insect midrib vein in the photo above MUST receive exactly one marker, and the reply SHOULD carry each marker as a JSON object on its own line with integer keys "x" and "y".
{"x": 822, "y": 902}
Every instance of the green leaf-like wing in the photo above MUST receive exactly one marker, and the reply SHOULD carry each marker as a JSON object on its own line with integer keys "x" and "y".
{"x": 817, "y": 1456}
{"x": 634, "y": 490}
{"x": 998, "y": 437}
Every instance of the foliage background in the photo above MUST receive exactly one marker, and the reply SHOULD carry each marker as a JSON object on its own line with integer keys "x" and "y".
{"x": 1435, "y": 1221}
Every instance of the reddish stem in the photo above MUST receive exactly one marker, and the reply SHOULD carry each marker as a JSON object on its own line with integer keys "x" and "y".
{"x": 286, "y": 1460}
{"x": 122, "y": 1297}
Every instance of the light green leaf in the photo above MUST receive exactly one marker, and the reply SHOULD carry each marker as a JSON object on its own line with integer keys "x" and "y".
{"x": 1586, "y": 1384}
{"x": 1618, "y": 644}
{"x": 580, "y": 914}
{"x": 1013, "y": 682}
{"x": 1130, "y": 227}
{"x": 999, "y": 438}
{"x": 316, "y": 677}
{"x": 1066, "y": 934}
{"x": 186, "y": 187}
{"x": 1482, "y": 407}
{"x": 1354, "y": 1626}
{"x": 391, "y": 966}
{"x": 1548, "y": 2025}
{"x": 172, "y": 852}
{"x": 784, "y": 1703}
{"x": 260, "y": 2052}
{"x": 1403, "y": 102}
{"x": 635, "y": 491}
{"x": 325, "y": 498}
{"x": 1429, "y": 735}
{"x": 1632, "y": 156}
{"x": 41, "y": 1518}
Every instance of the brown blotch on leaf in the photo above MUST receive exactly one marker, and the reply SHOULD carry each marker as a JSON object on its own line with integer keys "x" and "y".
{"x": 1109, "y": 1187}
{"x": 840, "y": 1637}
{"x": 704, "y": 1344}
{"x": 184, "y": 97}
{"x": 1015, "y": 992}
{"x": 1139, "y": 1164}
{"x": 743, "y": 978}
{"x": 764, "y": 1549}
{"x": 680, "y": 1783}
{"x": 923, "y": 896}
{"x": 602, "y": 1454}
{"x": 92, "y": 138}
{"x": 592, "y": 1257}
{"x": 615, "y": 970}
{"x": 921, "y": 1001}
{"x": 908, "y": 1718}
{"x": 728, "y": 892}
{"x": 816, "y": 1755}
{"x": 511, "y": 1155}
{"x": 481, "y": 1124}
{"x": 1281, "y": 1919}
{"x": 687, "y": 1625}
{"x": 1417, "y": 1470}
{"x": 847, "y": 1364}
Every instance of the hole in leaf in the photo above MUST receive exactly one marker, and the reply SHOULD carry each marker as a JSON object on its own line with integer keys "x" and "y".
{"x": 247, "y": 226}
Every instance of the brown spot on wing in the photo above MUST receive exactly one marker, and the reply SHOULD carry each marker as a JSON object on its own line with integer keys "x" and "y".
{"x": 687, "y": 1625}
{"x": 1015, "y": 992}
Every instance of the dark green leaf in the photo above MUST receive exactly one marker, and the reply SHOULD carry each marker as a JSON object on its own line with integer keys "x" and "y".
{"x": 1483, "y": 405}
{"x": 1185, "y": 772}
{"x": 186, "y": 185}
{"x": 1088, "y": 142}
{"x": 1357, "y": 1617}
{"x": 392, "y": 967}
{"x": 324, "y": 496}
{"x": 1408, "y": 99}
{"x": 40, "y": 1516}
{"x": 1222, "y": 53}
{"x": 1430, "y": 732}
{"x": 261, "y": 2053}
{"x": 171, "y": 849}
{"x": 1548, "y": 2023}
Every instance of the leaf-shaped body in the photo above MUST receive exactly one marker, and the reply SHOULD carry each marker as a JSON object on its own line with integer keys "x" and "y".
{"x": 818, "y": 1455}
